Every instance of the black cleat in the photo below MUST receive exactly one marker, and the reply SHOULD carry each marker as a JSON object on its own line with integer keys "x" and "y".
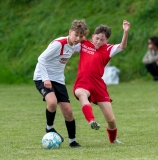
{"x": 74, "y": 144}
{"x": 53, "y": 130}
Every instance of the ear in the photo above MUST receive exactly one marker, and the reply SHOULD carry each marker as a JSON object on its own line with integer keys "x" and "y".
{"x": 70, "y": 32}
{"x": 92, "y": 36}
{"x": 107, "y": 41}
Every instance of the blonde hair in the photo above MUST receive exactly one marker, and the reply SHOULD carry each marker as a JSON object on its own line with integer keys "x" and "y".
{"x": 80, "y": 27}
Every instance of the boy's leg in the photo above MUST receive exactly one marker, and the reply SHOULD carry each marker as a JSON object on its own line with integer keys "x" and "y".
{"x": 64, "y": 103}
{"x": 155, "y": 66}
{"x": 87, "y": 110}
{"x": 153, "y": 69}
{"x": 107, "y": 111}
{"x": 50, "y": 98}
{"x": 69, "y": 122}
{"x": 51, "y": 101}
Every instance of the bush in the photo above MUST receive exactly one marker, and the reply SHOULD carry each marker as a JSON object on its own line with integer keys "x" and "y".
{"x": 28, "y": 26}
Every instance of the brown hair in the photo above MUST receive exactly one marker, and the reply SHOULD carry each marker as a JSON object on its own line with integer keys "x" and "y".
{"x": 103, "y": 29}
{"x": 80, "y": 26}
{"x": 154, "y": 40}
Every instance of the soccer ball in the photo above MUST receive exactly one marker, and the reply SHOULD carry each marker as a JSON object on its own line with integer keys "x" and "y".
{"x": 51, "y": 140}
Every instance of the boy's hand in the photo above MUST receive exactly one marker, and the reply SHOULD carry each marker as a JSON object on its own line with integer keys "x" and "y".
{"x": 126, "y": 26}
{"x": 48, "y": 84}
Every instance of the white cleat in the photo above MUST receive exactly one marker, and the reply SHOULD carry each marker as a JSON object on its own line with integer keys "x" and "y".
{"x": 117, "y": 142}
{"x": 94, "y": 125}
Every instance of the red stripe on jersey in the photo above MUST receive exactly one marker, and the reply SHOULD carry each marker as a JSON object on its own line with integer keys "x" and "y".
{"x": 109, "y": 46}
{"x": 63, "y": 42}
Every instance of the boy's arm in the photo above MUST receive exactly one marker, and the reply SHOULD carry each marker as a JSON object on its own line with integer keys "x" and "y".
{"x": 150, "y": 58}
{"x": 119, "y": 47}
{"x": 52, "y": 50}
{"x": 126, "y": 27}
{"x": 145, "y": 59}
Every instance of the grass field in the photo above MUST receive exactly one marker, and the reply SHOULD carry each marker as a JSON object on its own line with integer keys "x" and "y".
{"x": 22, "y": 122}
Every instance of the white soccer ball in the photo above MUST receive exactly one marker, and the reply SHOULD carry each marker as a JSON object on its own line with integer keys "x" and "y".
{"x": 51, "y": 140}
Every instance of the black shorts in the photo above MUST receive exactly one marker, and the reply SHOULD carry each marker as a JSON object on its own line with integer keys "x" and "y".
{"x": 59, "y": 90}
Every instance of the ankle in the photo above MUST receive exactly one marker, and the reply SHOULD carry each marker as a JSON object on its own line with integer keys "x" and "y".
{"x": 49, "y": 127}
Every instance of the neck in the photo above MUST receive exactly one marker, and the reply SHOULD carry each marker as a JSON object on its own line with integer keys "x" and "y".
{"x": 156, "y": 50}
{"x": 69, "y": 41}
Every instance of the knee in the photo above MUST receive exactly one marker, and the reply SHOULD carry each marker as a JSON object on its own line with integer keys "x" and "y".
{"x": 112, "y": 122}
{"x": 148, "y": 66}
{"x": 78, "y": 93}
{"x": 52, "y": 105}
{"x": 68, "y": 115}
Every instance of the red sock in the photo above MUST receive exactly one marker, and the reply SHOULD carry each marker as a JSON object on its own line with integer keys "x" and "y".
{"x": 88, "y": 113}
{"x": 112, "y": 134}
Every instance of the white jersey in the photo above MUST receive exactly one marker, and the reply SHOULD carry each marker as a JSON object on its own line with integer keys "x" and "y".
{"x": 51, "y": 63}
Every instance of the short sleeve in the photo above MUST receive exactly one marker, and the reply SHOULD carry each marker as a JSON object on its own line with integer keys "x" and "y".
{"x": 115, "y": 49}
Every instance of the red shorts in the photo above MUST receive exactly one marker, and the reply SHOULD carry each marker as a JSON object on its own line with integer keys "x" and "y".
{"x": 95, "y": 85}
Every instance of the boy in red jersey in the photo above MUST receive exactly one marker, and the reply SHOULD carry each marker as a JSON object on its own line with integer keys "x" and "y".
{"x": 50, "y": 81}
{"x": 89, "y": 86}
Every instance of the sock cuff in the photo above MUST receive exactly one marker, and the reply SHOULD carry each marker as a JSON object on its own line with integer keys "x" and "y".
{"x": 70, "y": 121}
{"x": 111, "y": 129}
{"x": 50, "y": 112}
{"x": 72, "y": 140}
{"x": 49, "y": 127}
{"x": 87, "y": 105}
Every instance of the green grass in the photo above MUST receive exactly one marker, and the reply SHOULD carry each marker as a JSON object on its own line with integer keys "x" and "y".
{"x": 22, "y": 121}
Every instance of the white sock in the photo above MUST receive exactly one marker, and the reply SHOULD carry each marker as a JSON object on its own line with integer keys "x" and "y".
{"x": 50, "y": 127}
{"x": 72, "y": 140}
{"x": 91, "y": 122}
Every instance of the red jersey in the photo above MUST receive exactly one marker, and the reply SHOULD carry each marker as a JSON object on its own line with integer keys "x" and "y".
{"x": 93, "y": 60}
{"x": 91, "y": 69}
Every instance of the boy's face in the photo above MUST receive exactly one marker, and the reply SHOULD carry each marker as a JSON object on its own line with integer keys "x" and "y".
{"x": 75, "y": 37}
{"x": 151, "y": 46}
{"x": 99, "y": 40}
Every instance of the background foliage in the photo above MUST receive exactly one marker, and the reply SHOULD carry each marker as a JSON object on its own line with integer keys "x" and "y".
{"x": 28, "y": 26}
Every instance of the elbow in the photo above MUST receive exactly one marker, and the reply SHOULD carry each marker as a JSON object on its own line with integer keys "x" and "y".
{"x": 144, "y": 61}
{"x": 123, "y": 47}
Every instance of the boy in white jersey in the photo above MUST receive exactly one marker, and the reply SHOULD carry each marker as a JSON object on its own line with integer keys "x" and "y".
{"x": 50, "y": 81}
